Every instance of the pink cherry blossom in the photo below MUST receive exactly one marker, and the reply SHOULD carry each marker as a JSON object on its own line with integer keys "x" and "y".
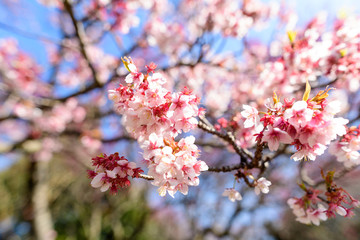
{"x": 112, "y": 172}
{"x": 251, "y": 115}
{"x": 299, "y": 115}
{"x": 308, "y": 152}
{"x": 275, "y": 136}
{"x": 317, "y": 215}
{"x": 174, "y": 168}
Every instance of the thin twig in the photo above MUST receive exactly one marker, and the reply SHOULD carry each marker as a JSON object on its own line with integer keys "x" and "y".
{"x": 146, "y": 177}
{"x": 337, "y": 175}
{"x": 80, "y": 34}
{"x": 225, "y": 168}
{"x": 228, "y": 137}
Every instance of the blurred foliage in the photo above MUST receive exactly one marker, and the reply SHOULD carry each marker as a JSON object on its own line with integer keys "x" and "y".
{"x": 13, "y": 189}
{"x": 81, "y": 212}
{"x": 78, "y": 210}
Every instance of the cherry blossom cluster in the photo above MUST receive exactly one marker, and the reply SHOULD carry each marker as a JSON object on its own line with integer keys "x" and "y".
{"x": 312, "y": 53}
{"x": 18, "y": 70}
{"x": 347, "y": 148}
{"x": 61, "y": 115}
{"x": 173, "y": 165}
{"x": 230, "y": 18}
{"x": 155, "y": 116}
{"x": 55, "y": 120}
{"x": 309, "y": 209}
{"x": 170, "y": 38}
{"x": 112, "y": 172}
{"x": 121, "y": 16}
{"x": 75, "y": 70}
{"x": 308, "y": 124}
{"x": 147, "y": 107}
{"x": 307, "y": 215}
{"x": 342, "y": 64}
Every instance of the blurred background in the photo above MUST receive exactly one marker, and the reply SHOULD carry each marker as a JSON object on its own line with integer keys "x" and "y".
{"x": 55, "y": 116}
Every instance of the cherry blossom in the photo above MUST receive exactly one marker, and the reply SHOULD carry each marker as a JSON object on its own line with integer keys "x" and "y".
{"x": 308, "y": 209}
{"x": 275, "y": 136}
{"x": 112, "y": 172}
{"x": 20, "y": 71}
{"x": 174, "y": 165}
{"x": 299, "y": 115}
{"x": 147, "y": 107}
{"x": 232, "y": 194}
{"x": 311, "y": 215}
{"x": 262, "y": 185}
{"x": 347, "y": 148}
{"x": 251, "y": 115}
{"x": 310, "y": 125}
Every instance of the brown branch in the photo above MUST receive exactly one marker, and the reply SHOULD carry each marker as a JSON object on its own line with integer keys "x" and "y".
{"x": 228, "y": 137}
{"x": 258, "y": 153}
{"x": 9, "y": 117}
{"x": 225, "y": 168}
{"x": 325, "y": 84}
{"x": 80, "y": 34}
{"x": 146, "y": 177}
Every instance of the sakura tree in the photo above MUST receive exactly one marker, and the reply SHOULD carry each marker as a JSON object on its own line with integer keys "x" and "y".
{"x": 187, "y": 96}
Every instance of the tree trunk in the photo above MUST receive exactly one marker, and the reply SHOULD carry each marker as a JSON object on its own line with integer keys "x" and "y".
{"x": 43, "y": 224}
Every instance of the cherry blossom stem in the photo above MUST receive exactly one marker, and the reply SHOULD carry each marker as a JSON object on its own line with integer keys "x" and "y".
{"x": 258, "y": 153}
{"x": 146, "y": 177}
{"x": 323, "y": 199}
{"x": 337, "y": 175}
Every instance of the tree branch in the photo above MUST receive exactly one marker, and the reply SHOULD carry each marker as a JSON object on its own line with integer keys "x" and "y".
{"x": 228, "y": 137}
